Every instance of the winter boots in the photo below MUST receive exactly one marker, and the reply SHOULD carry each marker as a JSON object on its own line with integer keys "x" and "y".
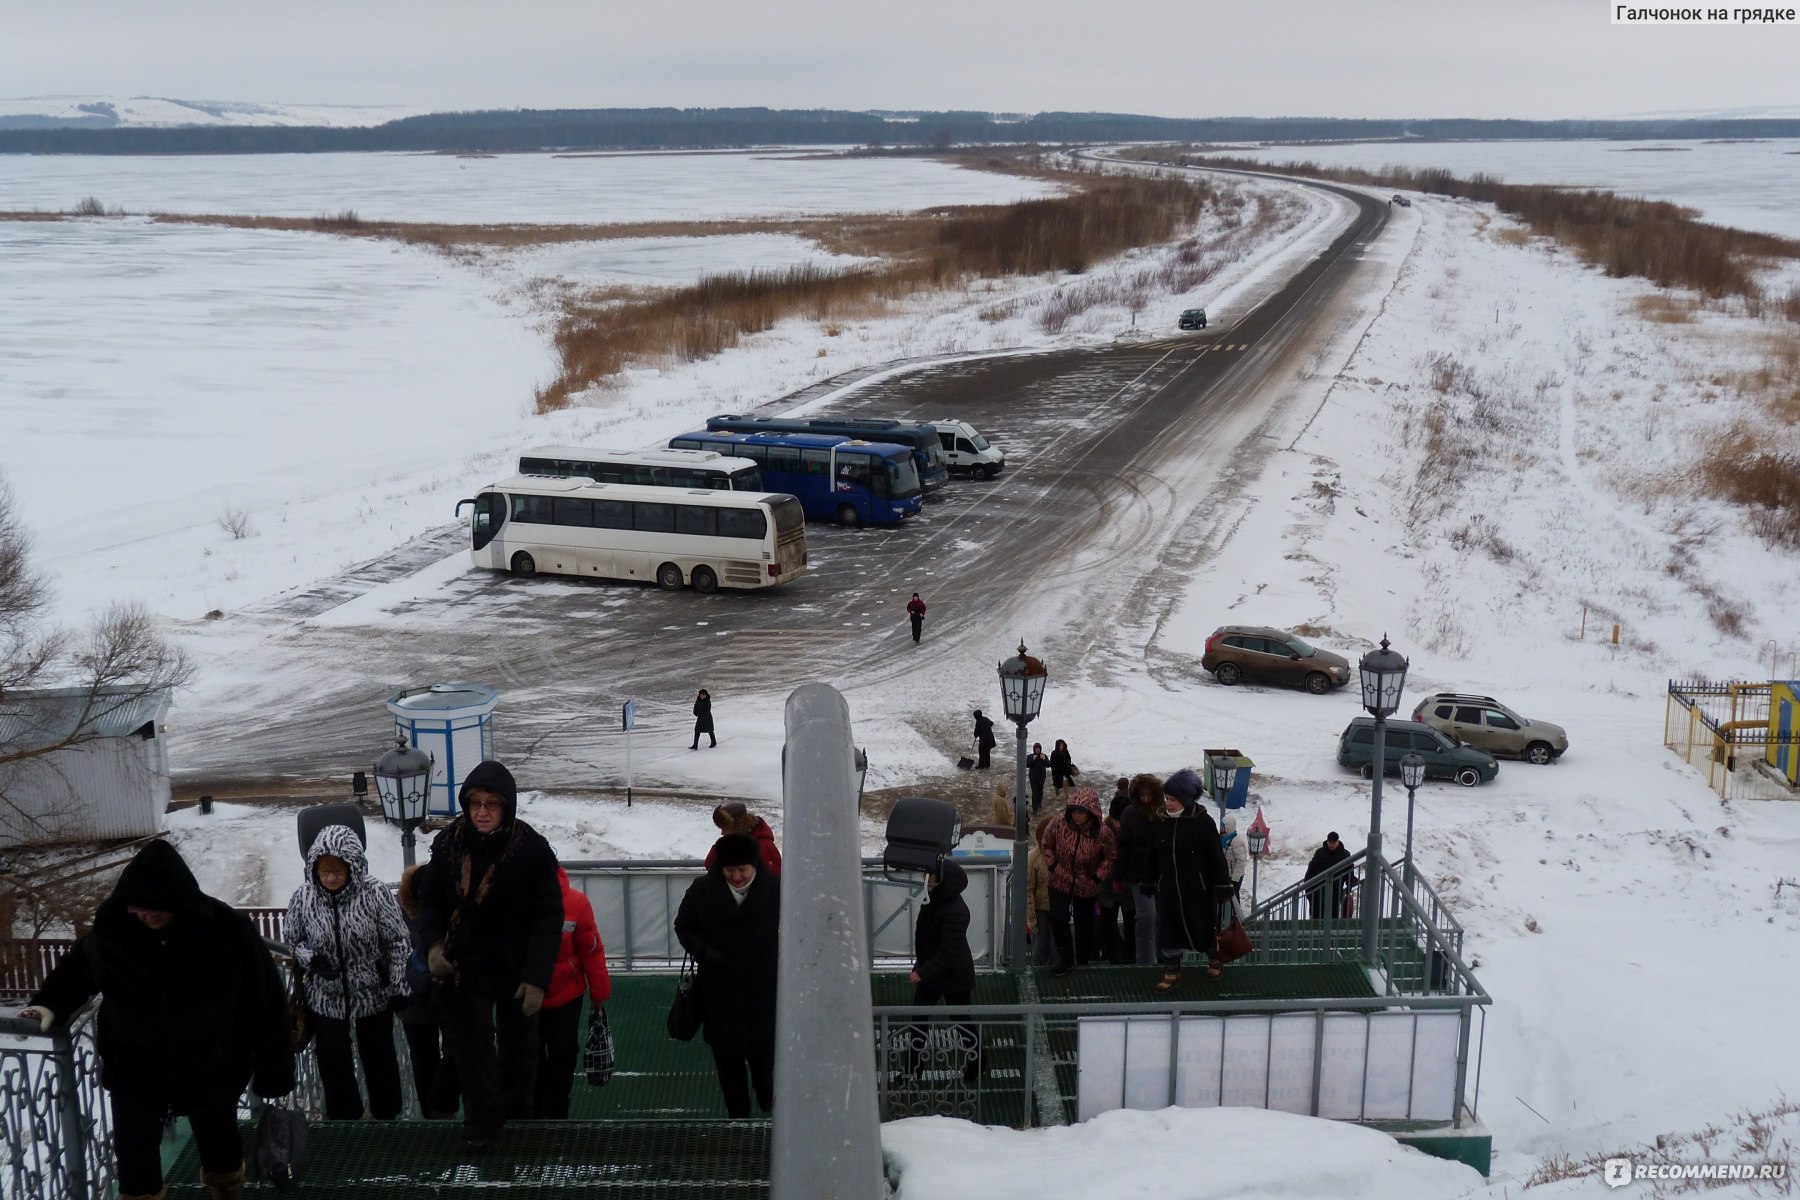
{"x": 223, "y": 1186}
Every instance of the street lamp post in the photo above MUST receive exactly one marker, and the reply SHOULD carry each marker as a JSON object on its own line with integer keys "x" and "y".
{"x": 1383, "y": 677}
{"x": 1412, "y": 774}
{"x": 1022, "y": 680}
{"x": 403, "y": 782}
{"x": 1259, "y": 842}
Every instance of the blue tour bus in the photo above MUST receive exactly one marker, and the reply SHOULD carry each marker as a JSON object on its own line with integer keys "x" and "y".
{"x": 834, "y": 478}
{"x": 923, "y": 440}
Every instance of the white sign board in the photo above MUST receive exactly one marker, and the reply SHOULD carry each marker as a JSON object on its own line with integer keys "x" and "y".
{"x": 1371, "y": 1066}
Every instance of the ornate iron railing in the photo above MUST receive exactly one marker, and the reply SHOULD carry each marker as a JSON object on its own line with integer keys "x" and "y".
{"x": 55, "y": 1121}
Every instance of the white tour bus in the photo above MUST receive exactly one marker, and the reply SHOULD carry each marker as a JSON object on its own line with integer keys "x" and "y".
{"x": 650, "y": 468}
{"x": 711, "y": 539}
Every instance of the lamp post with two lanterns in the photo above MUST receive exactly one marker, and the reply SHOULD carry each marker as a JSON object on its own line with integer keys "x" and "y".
{"x": 1383, "y": 677}
{"x": 1022, "y": 680}
{"x": 403, "y": 782}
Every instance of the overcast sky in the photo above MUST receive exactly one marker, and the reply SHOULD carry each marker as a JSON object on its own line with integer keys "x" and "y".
{"x": 1189, "y": 58}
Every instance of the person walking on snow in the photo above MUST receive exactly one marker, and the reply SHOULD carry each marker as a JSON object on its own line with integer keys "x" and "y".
{"x": 984, "y": 739}
{"x": 348, "y": 934}
{"x": 1037, "y": 765}
{"x": 915, "y": 610}
{"x": 1062, "y": 768}
{"x": 703, "y": 720}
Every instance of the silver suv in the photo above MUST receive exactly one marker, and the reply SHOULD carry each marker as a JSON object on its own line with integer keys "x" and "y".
{"x": 1485, "y": 722}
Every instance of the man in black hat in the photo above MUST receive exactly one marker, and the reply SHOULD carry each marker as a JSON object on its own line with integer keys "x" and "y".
{"x": 191, "y": 1010}
{"x": 1324, "y": 859}
{"x": 730, "y": 921}
{"x": 490, "y": 908}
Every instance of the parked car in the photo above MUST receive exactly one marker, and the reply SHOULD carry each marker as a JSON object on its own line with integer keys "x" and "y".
{"x": 1256, "y": 652}
{"x": 1402, "y": 201}
{"x": 1445, "y": 757}
{"x": 966, "y": 450}
{"x": 1193, "y": 318}
{"x": 1484, "y": 722}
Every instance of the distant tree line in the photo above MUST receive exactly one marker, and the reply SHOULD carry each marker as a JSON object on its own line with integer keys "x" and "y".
{"x": 495, "y": 132}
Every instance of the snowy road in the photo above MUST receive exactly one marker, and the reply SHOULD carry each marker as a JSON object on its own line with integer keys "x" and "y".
{"x": 1117, "y": 459}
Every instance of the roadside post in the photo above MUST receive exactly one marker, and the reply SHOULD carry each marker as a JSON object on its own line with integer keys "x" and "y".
{"x": 629, "y": 719}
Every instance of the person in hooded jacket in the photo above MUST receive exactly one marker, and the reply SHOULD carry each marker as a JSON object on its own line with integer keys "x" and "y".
{"x": 1324, "y": 860}
{"x": 733, "y": 817}
{"x": 1133, "y": 867}
{"x": 1079, "y": 854}
{"x": 580, "y": 971}
{"x": 1062, "y": 768}
{"x": 1191, "y": 879}
{"x": 1237, "y": 854}
{"x": 192, "y": 1009}
{"x": 943, "y": 967}
{"x": 347, "y": 934}
{"x": 984, "y": 740}
{"x": 490, "y": 908}
{"x": 434, "y": 1070}
{"x": 729, "y": 920}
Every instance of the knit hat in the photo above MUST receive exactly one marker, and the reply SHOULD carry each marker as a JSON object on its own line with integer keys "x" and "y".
{"x": 1332, "y": 836}
{"x": 1184, "y": 786}
{"x": 737, "y": 850}
{"x": 1229, "y": 825}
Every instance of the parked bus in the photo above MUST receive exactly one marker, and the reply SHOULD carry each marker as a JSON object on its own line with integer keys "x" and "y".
{"x": 646, "y": 468}
{"x": 927, "y": 447}
{"x": 836, "y": 478}
{"x": 711, "y": 539}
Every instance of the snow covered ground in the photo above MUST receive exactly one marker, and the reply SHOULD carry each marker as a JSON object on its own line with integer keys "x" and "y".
{"x": 1637, "y": 933}
{"x": 115, "y": 112}
{"x": 1748, "y": 184}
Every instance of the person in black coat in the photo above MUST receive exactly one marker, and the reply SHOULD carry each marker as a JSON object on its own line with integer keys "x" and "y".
{"x": 1324, "y": 859}
{"x": 943, "y": 967}
{"x": 192, "y": 1009}
{"x": 1133, "y": 866}
{"x": 1037, "y": 765}
{"x": 490, "y": 909}
{"x": 703, "y": 720}
{"x": 1062, "y": 768}
{"x": 984, "y": 739}
{"x": 730, "y": 921}
{"x": 1191, "y": 879}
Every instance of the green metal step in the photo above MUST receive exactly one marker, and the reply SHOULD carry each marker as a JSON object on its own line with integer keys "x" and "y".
{"x": 540, "y": 1160}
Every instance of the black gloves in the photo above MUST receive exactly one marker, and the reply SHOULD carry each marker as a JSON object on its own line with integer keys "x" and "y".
{"x": 397, "y": 1004}
{"x": 321, "y": 966}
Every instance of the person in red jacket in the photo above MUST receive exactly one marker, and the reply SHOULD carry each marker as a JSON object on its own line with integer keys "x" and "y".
{"x": 735, "y": 818}
{"x": 915, "y": 609}
{"x": 580, "y": 969}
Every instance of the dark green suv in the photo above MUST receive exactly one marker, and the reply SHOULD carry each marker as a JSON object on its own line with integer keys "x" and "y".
{"x": 1445, "y": 757}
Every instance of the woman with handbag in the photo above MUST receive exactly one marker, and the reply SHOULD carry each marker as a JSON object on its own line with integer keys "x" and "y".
{"x": 729, "y": 922}
{"x": 1191, "y": 879}
{"x": 347, "y": 933}
{"x": 580, "y": 970}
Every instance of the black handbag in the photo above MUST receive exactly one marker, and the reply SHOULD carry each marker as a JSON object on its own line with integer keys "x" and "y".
{"x": 280, "y": 1148}
{"x": 597, "y": 1054}
{"x": 684, "y": 1011}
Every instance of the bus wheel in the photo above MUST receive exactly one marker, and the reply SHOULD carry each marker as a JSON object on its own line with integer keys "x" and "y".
{"x": 847, "y": 514}
{"x": 705, "y": 581}
{"x": 668, "y": 577}
{"x": 523, "y": 565}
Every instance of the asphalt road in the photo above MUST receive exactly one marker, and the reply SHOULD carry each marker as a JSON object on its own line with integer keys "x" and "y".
{"x": 1083, "y": 510}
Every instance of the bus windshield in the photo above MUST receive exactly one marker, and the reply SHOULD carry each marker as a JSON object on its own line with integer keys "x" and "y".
{"x": 902, "y": 478}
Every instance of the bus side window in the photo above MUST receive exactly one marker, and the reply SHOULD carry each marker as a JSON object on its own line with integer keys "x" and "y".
{"x": 573, "y": 512}
{"x": 784, "y": 458}
{"x": 533, "y": 510}
{"x": 742, "y": 523}
{"x": 855, "y": 468}
{"x": 653, "y": 518}
{"x": 685, "y": 444}
{"x": 691, "y": 518}
{"x": 818, "y": 462}
{"x": 612, "y": 514}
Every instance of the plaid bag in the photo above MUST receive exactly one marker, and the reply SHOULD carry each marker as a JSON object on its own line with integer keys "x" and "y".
{"x": 597, "y": 1054}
